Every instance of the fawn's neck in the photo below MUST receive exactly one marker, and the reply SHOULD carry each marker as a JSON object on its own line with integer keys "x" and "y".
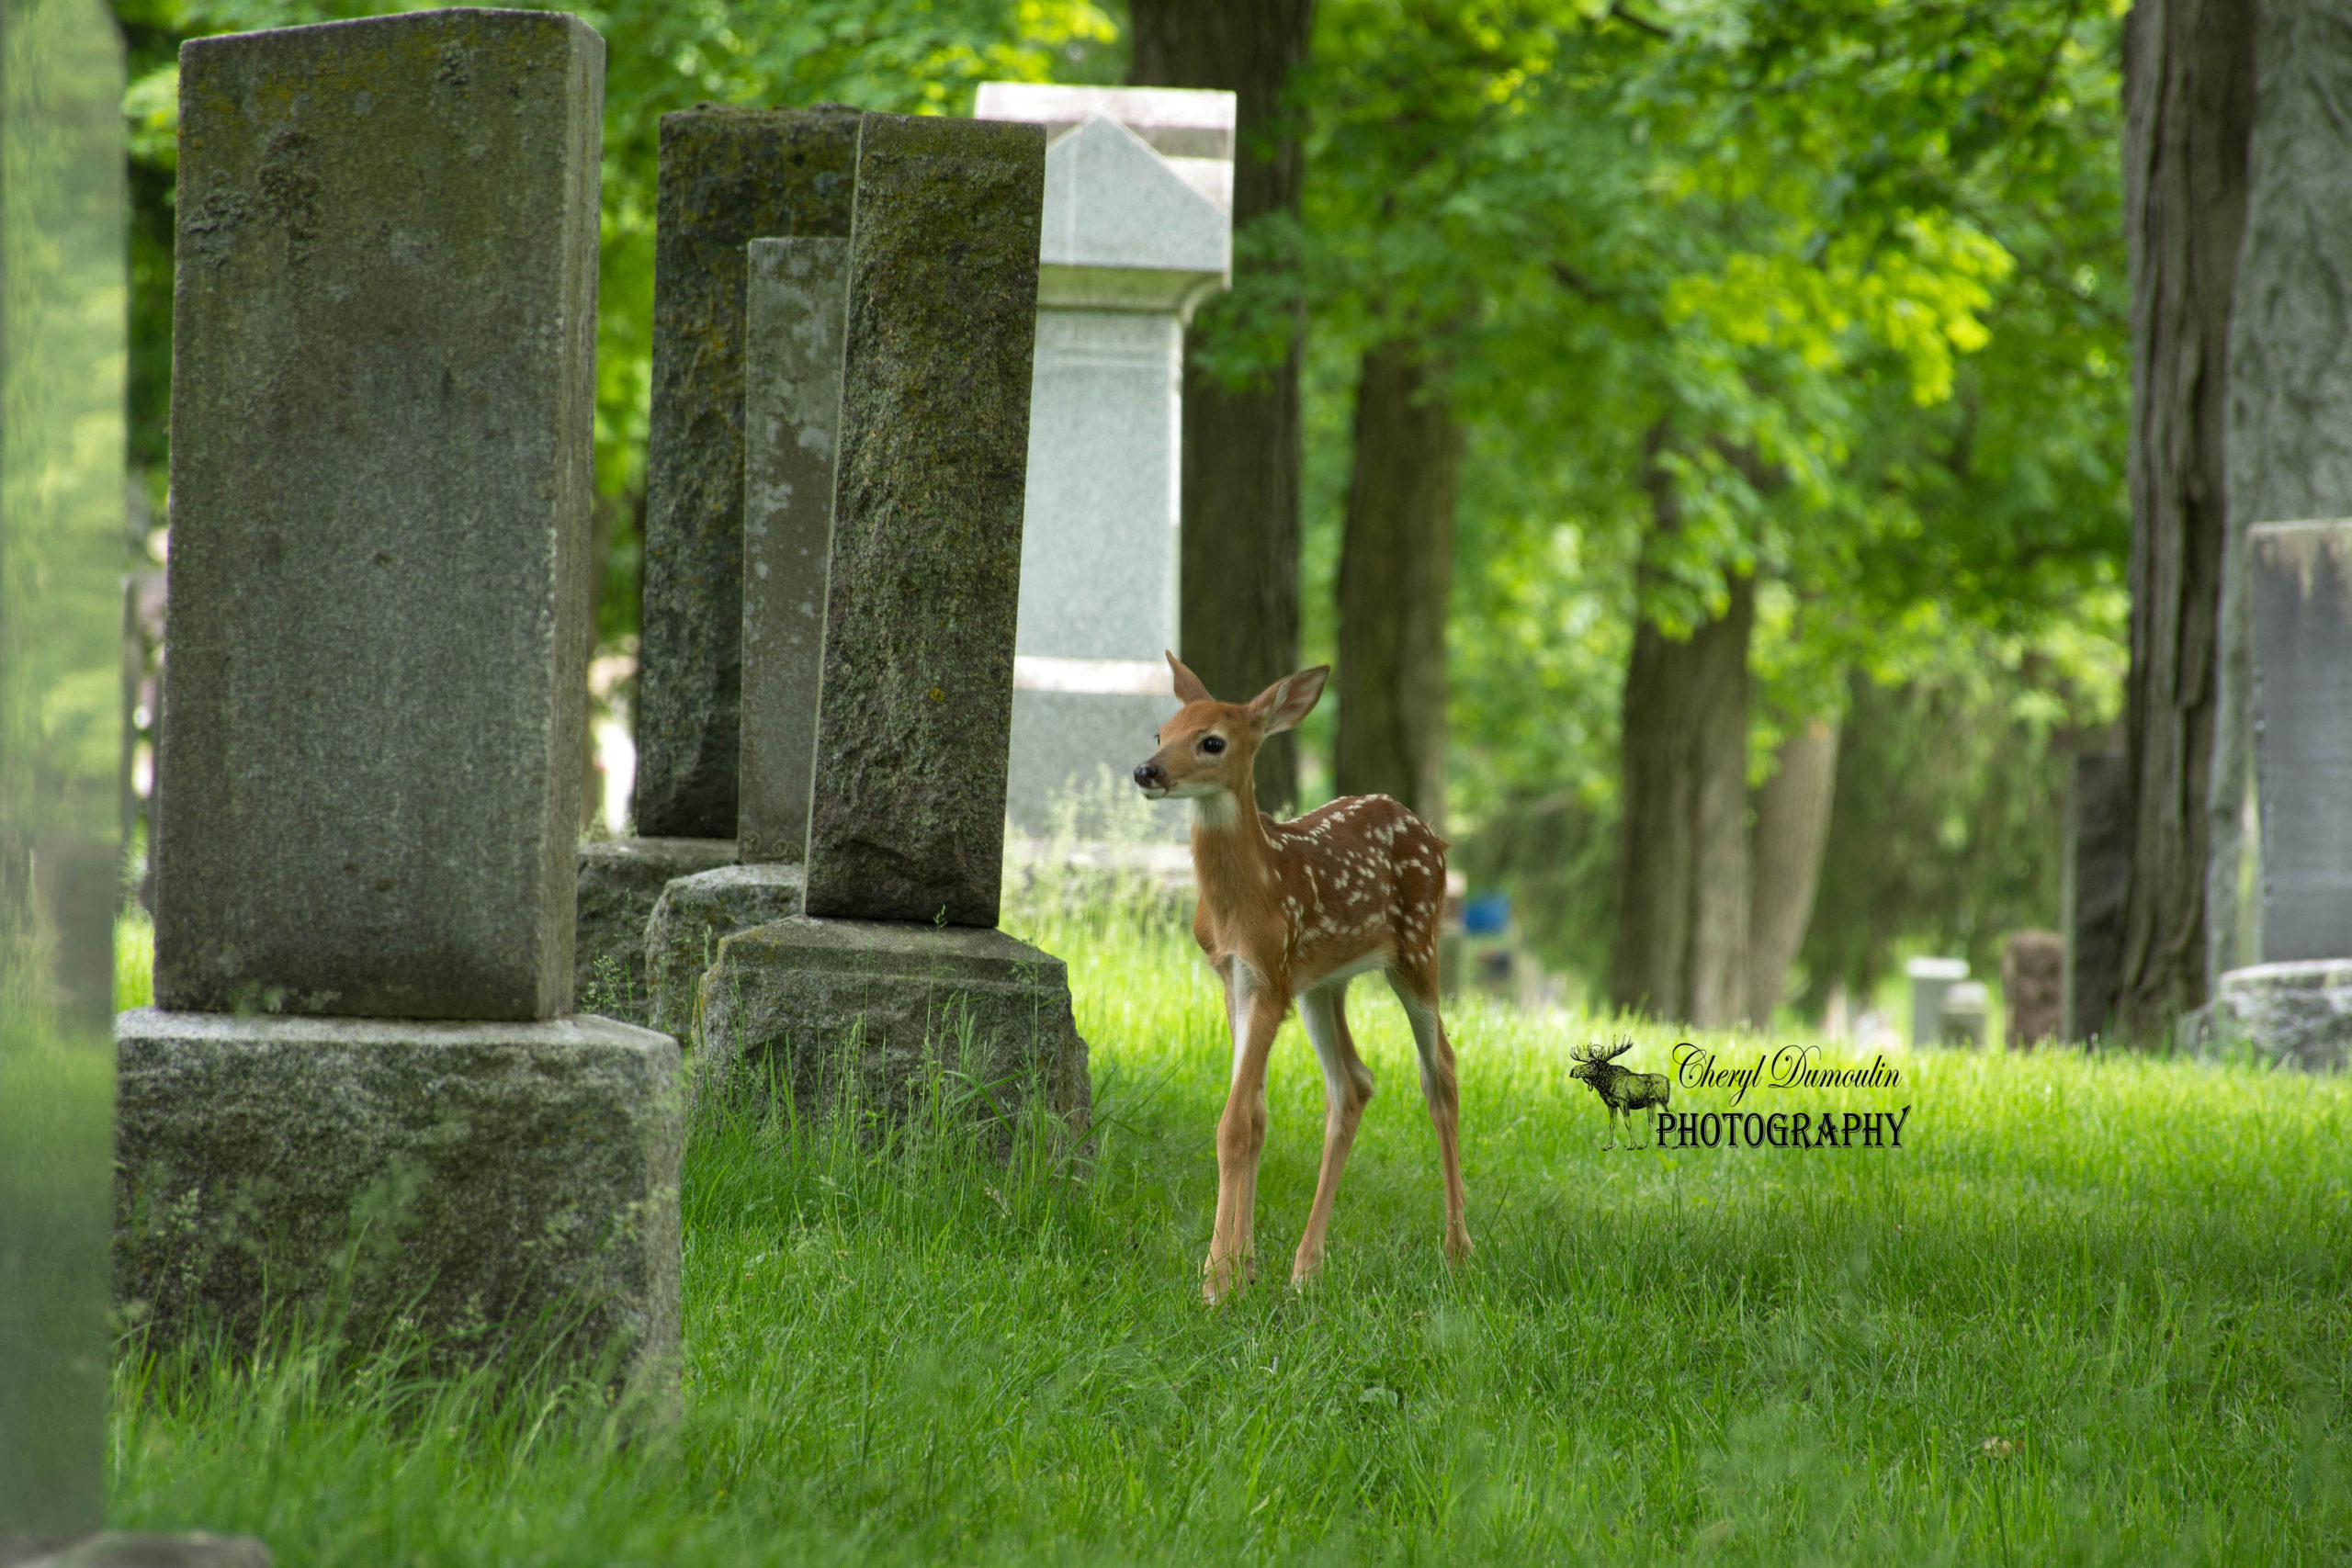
{"x": 1231, "y": 855}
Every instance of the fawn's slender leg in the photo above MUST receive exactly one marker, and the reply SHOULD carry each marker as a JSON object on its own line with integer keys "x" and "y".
{"x": 1255, "y": 1012}
{"x": 1347, "y": 1089}
{"x": 1418, "y": 992}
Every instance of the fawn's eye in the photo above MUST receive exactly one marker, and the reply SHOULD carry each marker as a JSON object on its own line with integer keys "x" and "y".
{"x": 1213, "y": 744}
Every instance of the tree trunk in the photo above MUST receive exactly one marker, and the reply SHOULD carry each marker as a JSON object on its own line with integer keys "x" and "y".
{"x": 2188, "y": 91}
{"x": 1396, "y": 574}
{"x": 1682, "y": 936}
{"x": 2291, "y": 382}
{"x": 1792, "y": 830}
{"x": 1238, "y": 616}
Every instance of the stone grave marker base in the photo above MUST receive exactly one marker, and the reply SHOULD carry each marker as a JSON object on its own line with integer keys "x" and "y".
{"x": 859, "y": 1015}
{"x": 620, "y": 881}
{"x": 490, "y": 1184}
{"x": 695, "y": 915}
{"x": 116, "y": 1549}
{"x": 2299, "y": 1015}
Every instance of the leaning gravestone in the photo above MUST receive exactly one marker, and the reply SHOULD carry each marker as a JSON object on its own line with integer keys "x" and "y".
{"x": 357, "y": 1085}
{"x": 2296, "y": 1005}
{"x": 897, "y": 961}
{"x": 728, "y": 176}
{"x": 1135, "y": 236}
{"x": 795, "y": 302}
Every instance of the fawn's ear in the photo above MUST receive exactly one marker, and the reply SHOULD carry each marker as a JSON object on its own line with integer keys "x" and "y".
{"x": 1188, "y": 685}
{"x": 1281, "y": 705}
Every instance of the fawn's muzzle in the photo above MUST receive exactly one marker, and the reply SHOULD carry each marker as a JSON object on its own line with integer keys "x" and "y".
{"x": 1151, "y": 775}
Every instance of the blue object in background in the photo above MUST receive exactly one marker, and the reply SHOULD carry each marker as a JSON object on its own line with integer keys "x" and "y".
{"x": 1487, "y": 916}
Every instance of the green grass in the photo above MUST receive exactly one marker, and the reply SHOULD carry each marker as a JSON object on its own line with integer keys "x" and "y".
{"x": 2094, "y": 1311}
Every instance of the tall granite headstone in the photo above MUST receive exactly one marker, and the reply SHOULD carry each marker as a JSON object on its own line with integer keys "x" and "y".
{"x": 728, "y": 177}
{"x": 1132, "y": 240}
{"x": 895, "y": 964}
{"x": 2296, "y": 1005}
{"x": 383, "y": 389}
{"x": 910, "y": 786}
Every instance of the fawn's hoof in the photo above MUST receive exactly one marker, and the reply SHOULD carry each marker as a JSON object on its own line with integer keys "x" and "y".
{"x": 1221, "y": 1278}
{"x": 1457, "y": 1245}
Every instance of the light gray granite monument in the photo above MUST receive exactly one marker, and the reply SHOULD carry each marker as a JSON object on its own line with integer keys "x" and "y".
{"x": 1137, "y": 232}
{"x": 904, "y": 841}
{"x": 359, "y": 1083}
{"x": 728, "y": 178}
{"x": 2296, "y": 1005}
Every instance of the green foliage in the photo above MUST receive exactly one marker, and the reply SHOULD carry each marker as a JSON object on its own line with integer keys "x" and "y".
{"x": 1850, "y": 279}
{"x": 1979, "y": 1348}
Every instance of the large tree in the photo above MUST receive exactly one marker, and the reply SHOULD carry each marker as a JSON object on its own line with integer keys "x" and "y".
{"x": 2189, "y": 90}
{"x": 1239, "y": 619}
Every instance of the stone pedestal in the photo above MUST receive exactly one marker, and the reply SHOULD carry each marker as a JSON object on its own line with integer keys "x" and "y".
{"x": 695, "y": 915}
{"x": 495, "y": 1185}
{"x": 620, "y": 882}
{"x": 1130, "y": 246}
{"x": 858, "y": 1015}
{"x": 115, "y": 1549}
{"x": 2299, "y": 1015}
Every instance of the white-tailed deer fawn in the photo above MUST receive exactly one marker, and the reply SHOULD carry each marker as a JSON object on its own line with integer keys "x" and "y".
{"x": 1291, "y": 912}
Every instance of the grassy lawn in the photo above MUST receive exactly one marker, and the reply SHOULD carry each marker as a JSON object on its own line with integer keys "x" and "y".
{"x": 2090, "y": 1311}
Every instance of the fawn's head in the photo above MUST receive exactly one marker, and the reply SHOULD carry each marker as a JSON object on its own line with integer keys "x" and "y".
{"x": 1594, "y": 1064}
{"x": 1206, "y": 748}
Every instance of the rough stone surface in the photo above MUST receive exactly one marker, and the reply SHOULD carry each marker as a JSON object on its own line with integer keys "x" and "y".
{"x": 694, "y": 916}
{"x": 2097, "y": 861}
{"x": 912, "y": 727}
{"x": 2302, "y": 701}
{"x": 855, "y": 1016}
{"x": 2033, "y": 988}
{"x": 620, "y": 881}
{"x": 115, "y": 1549}
{"x": 491, "y": 1182}
{"x": 2299, "y": 1015}
{"x": 728, "y": 176}
{"x": 383, "y": 404}
{"x": 795, "y": 299}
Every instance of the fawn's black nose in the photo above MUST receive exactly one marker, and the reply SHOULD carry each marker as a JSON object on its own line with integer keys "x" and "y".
{"x": 1148, "y": 776}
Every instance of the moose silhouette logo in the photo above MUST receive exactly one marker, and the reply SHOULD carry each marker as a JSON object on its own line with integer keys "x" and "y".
{"x": 1621, "y": 1089}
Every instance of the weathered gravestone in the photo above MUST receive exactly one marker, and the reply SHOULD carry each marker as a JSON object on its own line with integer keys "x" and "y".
{"x": 2098, "y": 861}
{"x": 2033, "y": 988}
{"x": 905, "y": 839}
{"x": 796, "y": 301}
{"x": 2296, "y": 1005}
{"x": 357, "y": 1086}
{"x": 1132, "y": 241}
{"x": 728, "y": 177}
